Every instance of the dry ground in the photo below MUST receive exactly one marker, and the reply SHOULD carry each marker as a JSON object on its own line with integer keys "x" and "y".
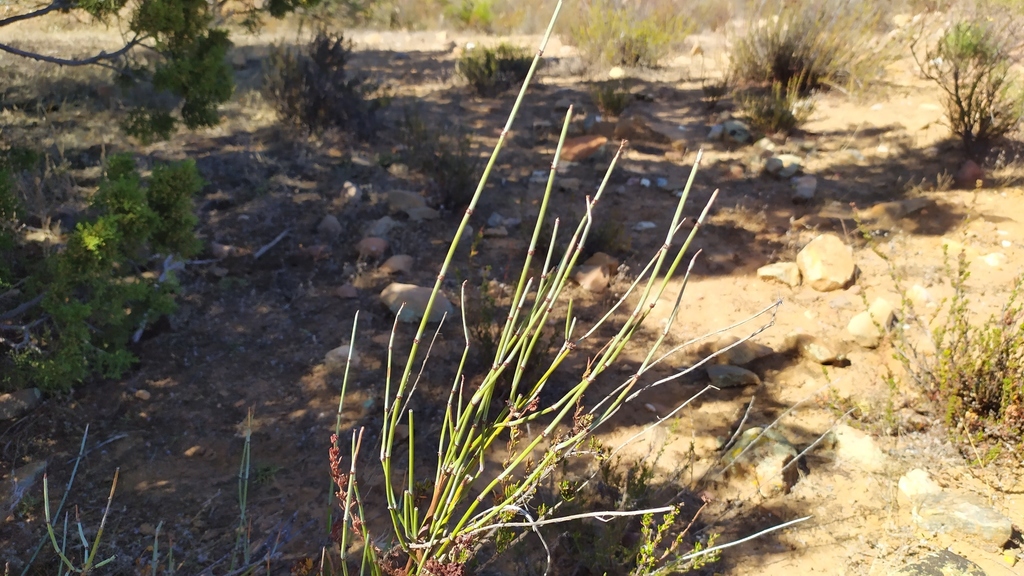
{"x": 251, "y": 334}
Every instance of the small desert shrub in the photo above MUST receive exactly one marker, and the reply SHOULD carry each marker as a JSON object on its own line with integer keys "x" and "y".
{"x": 778, "y": 109}
{"x": 824, "y": 43}
{"x": 445, "y": 155}
{"x": 313, "y": 89}
{"x": 84, "y": 304}
{"x": 977, "y": 372}
{"x": 611, "y": 99}
{"x": 971, "y": 63}
{"x": 714, "y": 89}
{"x": 471, "y": 14}
{"x": 618, "y": 34}
{"x": 491, "y": 71}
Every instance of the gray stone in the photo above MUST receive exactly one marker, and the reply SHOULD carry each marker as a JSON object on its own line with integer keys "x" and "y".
{"x": 942, "y": 563}
{"x": 371, "y": 247}
{"x": 381, "y": 228}
{"x": 717, "y": 132}
{"x": 496, "y": 232}
{"x": 783, "y": 165}
{"x": 415, "y": 299}
{"x": 826, "y": 263}
{"x": 351, "y": 191}
{"x": 403, "y": 201}
{"x": 644, "y": 226}
{"x": 17, "y": 403}
{"x": 804, "y": 188}
{"x": 741, "y": 352}
{"x": 736, "y": 131}
{"x": 724, "y": 376}
{"x": 786, "y": 272}
{"x": 963, "y": 514}
{"x": 336, "y": 360}
{"x": 495, "y": 220}
{"x": 765, "y": 457}
{"x": 422, "y": 213}
{"x": 812, "y": 348}
{"x": 329, "y": 228}
{"x": 397, "y": 264}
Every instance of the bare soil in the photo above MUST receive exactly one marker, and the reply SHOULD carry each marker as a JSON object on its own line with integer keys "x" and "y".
{"x": 251, "y": 334}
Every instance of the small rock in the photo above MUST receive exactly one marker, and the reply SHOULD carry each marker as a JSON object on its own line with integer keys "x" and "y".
{"x": 194, "y": 451}
{"x": 336, "y": 360}
{"x": 372, "y": 247}
{"x": 783, "y": 165}
{"x": 143, "y": 395}
{"x": 811, "y": 347}
{"x": 963, "y": 514}
{"x": 995, "y": 259}
{"x": 645, "y": 182}
{"x": 969, "y": 176}
{"x": 736, "y": 131}
{"x": 920, "y": 296}
{"x": 495, "y": 220}
{"x": 580, "y": 148}
{"x": 496, "y": 232}
{"x": 716, "y": 133}
{"x": 329, "y": 228}
{"x": 592, "y": 278}
{"x": 221, "y": 251}
{"x": 616, "y": 73}
{"x": 918, "y": 483}
{"x": 724, "y": 376}
{"x": 860, "y": 449}
{"x": 741, "y": 353}
{"x": 610, "y": 263}
{"x": 403, "y": 201}
{"x": 804, "y": 188}
{"x": 765, "y": 144}
{"x": 346, "y": 292}
{"x": 381, "y": 228}
{"x": 397, "y": 264}
{"x": 18, "y": 403}
{"x": 351, "y": 191}
{"x": 643, "y": 226}
{"x": 942, "y": 563}
{"x": 415, "y": 299}
{"x": 786, "y": 272}
{"x": 826, "y": 263}
{"x": 765, "y": 456}
{"x": 569, "y": 184}
{"x": 399, "y": 170}
{"x": 422, "y": 213}
{"x": 868, "y": 327}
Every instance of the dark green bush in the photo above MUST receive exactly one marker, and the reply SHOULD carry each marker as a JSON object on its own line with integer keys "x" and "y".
{"x": 85, "y": 303}
{"x": 312, "y": 89}
{"x": 971, "y": 63}
{"x": 612, "y": 99}
{"x": 491, "y": 71}
{"x": 444, "y": 155}
{"x": 776, "y": 109}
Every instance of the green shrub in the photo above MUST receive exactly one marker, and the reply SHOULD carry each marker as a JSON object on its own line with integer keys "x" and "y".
{"x": 971, "y": 63}
{"x": 91, "y": 298}
{"x": 471, "y": 14}
{"x": 824, "y": 43}
{"x": 616, "y": 34}
{"x": 491, "y": 71}
{"x": 611, "y": 99}
{"x": 777, "y": 109}
{"x": 312, "y": 89}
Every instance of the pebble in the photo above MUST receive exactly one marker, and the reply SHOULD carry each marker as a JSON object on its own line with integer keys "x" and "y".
{"x": 143, "y": 395}
{"x": 786, "y": 272}
{"x": 329, "y": 228}
{"x": 804, "y": 188}
{"x": 724, "y": 376}
{"x": 351, "y": 191}
{"x": 616, "y": 73}
{"x": 397, "y": 264}
{"x": 643, "y": 226}
{"x": 415, "y": 299}
{"x": 372, "y": 247}
{"x": 346, "y": 292}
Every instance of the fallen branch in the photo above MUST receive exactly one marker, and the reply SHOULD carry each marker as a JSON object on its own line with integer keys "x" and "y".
{"x": 270, "y": 245}
{"x": 24, "y": 307}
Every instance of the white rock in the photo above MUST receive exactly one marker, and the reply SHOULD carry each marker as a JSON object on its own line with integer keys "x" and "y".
{"x": 415, "y": 299}
{"x": 786, "y": 272}
{"x": 644, "y": 226}
{"x": 616, "y": 73}
{"x": 860, "y": 449}
{"x": 804, "y": 188}
{"x": 917, "y": 483}
{"x": 826, "y": 263}
{"x": 592, "y": 278}
{"x": 336, "y": 360}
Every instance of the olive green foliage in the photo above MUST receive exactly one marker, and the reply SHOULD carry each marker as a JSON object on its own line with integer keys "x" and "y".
{"x": 776, "y": 109}
{"x": 471, "y": 14}
{"x": 184, "y": 55}
{"x": 823, "y": 43}
{"x": 983, "y": 96}
{"x": 978, "y": 374}
{"x": 617, "y": 33}
{"x": 312, "y": 89}
{"x": 612, "y": 99}
{"x": 96, "y": 292}
{"x": 491, "y": 71}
